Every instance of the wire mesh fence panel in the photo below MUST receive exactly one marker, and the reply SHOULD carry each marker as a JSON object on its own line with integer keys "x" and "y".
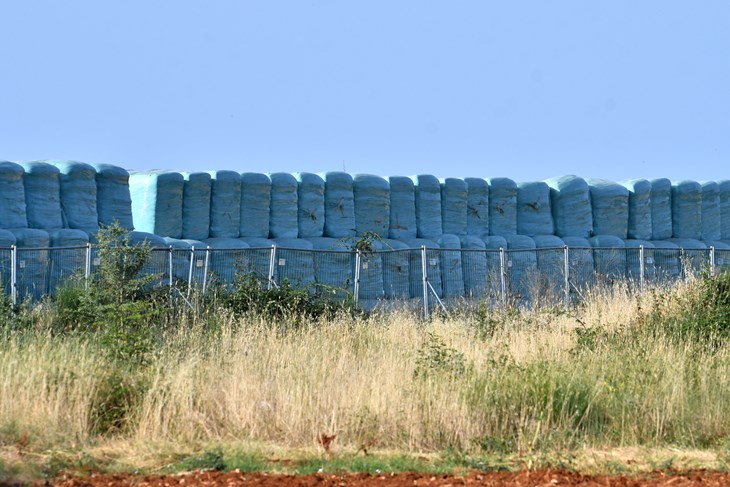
{"x": 371, "y": 286}
{"x": 32, "y": 273}
{"x": 68, "y": 267}
{"x": 157, "y": 265}
{"x": 581, "y": 273}
{"x": 667, "y": 267}
{"x": 294, "y": 266}
{"x": 693, "y": 262}
{"x": 452, "y": 273}
{"x": 223, "y": 265}
{"x": 433, "y": 273}
{"x": 547, "y": 286}
{"x": 722, "y": 260}
{"x": 609, "y": 264}
{"x": 396, "y": 274}
{"x": 254, "y": 262}
{"x": 334, "y": 273}
{"x": 6, "y": 258}
{"x": 521, "y": 270}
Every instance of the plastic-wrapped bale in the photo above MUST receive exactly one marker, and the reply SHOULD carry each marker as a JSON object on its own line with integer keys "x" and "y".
{"x": 570, "y": 201}
{"x": 12, "y": 196}
{"x": 196, "y": 205}
{"x": 639, "y": 209}
{"x": 402, "y": 208}
{"x": 550, "y": 277}
{"x": 521, "y": 261}
{"x": 633, "y": 260}
{"x": 694, "y": 255}
{"x": 157, "y": 264}
{"x": 609, "y": 256}
{"x": 493, "y": 244}
{"x": 78, "y": 195}
{"x": 310, "y": 197}
{"x": 32, "y": 262}
{"x": 396, "y": 268}
{"x": 226, "y": 258}
{"x": 283, "y": 220}
{"x": 157, "y": 202}
{"x": 534, "y": 216}
{"x": 225, "y": 204}
{"x": 339, "y": 205}
{"x": 258, "y": 257}
{"x": 294, "y": 262}
{"x": 113, "y": 201}
{"x": 371, "y": 275}
{"x": 7, "y": 240}
{"x": 610, "y": 203}
{"x": 686, "y": 209}
{"x": 722, "y": 256}
{"x": 711, "y": 229}
{"x": 452, "y": 275}
{"x": 724, "y": 191}
{"x": 454, "y": 202}
{"x": 255, "y": 205}
{"x": 372, "y": 204}
{"x": 433, "y": 268}
{"x": 477, "y": 206}
{"x": 181, "y": 255}
{"x": 661, "y": 209}
{"x": 474, "y": 267}
{"x": 428, "y": 205}
{"x": 581, "y": 268}
{"x": 502, "y": 207}
{"x": 42, "y": 185}
{"x": 334, "y": 264}
{"x": 68, "y": 257}
{"x": 666, "y": 260}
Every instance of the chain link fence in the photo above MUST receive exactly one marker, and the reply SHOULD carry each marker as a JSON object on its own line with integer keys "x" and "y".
{"x": 425, "y": 278}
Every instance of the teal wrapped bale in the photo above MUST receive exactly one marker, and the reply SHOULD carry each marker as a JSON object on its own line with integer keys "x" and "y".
{"x": 157, "y": 202}
{"x": 711, "y": 223}
{"x": 157, "y": 264}
{"x": 502, "y": 207}
{"x": 42, "y": 187}
{"x": 694, "y": 255}
{"x": 283, "y": 220}
{"x": 581, "y": 268}
{"x": 334, "y": 265}
{"x": 474, "y": 267}
{"x": 225, "y": 204}
{"x": 78, "y": 195}
{"x": 633, "y": 259}
{"x": 610, "y": 203}
{"x": 113, "y": 201}
{"x": 12, "y": 196}
{"x": 666, "y": 260}
{"x": 33, "y": 263}
{"x": 402, "y": 208}
{"x": 68, "y": 258}
{"x": 396, "y": 270}
{"x": 339, "y": 205}
{"x": 686, "y": 209}
{"x": 295, "y": 262}
{"x": 258, "y": 257}
{"x": 183, "y": 250}
{"x": 550, "y": 279}
{"x": 609, "y": 256}
{"x": 452, "y": 275}
{"x": 371, "y": 274}
{"x": 428, "y": 205}
{"x": 477, "y": 206}
{"x": 521, "y": 261}
{"x": 534, "y": 216}
{"x": 639, "y": 209}
{"x": 310, "y": 197}
{"x": 255, "y": 205}
{"x": 570, "y": 201}
{"x": 196, "y": 205}
{"x": 433, "y": 267}
{"x": 372, "y": 204}
{"x": 454, "y": 202}
{"x": 724, "y": 190}
{"x": 226, "y": 258}
{"x": 661, "y": 209}
{"x": 7, "y": 240}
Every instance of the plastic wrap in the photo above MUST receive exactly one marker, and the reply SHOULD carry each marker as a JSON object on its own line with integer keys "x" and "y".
{"x": 258, "y": 257}
{"x": 521, "y": 261}
{"x": 428, "y": 206}
{"x": 474, "y": 267}
{"x": 570, "y": 201}
{"x": 294, "y": 262}
{"x": 157, "y": 202}
{"x": 310, "y": 194}
{"x": 12, "y": 196}
{"x": 78, "y": 195}
{"x": 666, "y": 260}
{"x": 196, "y": 205}
{"x": 534, "y": 216}
{"x": 454, "y": 202}
{"x": 42, "y": 187}
{"x": 396, "y": 270}
{"x": 550, "y": 277}
{"x": 724, "y": 190}
{"x": 477, "y": 206}
{"x": 225, "y": 204}
{"x": 711, "y": 226}
{"x": 686, "y": 209}
{"x": 610, "y": 203}
{"x": 452, "y": 275}
{"x": 609, "y": 256}
{"x": 694, "y": 256}
{"x": 283, "y": 222}
{"x": 502, "y": 207}
{"x": 66, "y": 263}
{"x": 372, "y": 204}
{"x": 639, "y": 209}
{"x": 7, "y": 239}
{"x": 255, "y": 205}
{"x": 113, "y": 201}
{"x": 661, "y": 209}
{"x": 33, "y": 263}
{"x": 371, "y": 274}
{"x": 227, "y": 255}
{"x": 339, "y": 205}
{"x": 334, "y": 265}
{"x": 433, "y": 268}
{"x": 402, "y": 208}
{"x": 633, "y": 259}
{"x": 581, "y": 268}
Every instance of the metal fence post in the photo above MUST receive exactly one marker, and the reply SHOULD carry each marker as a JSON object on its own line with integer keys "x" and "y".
{"x": 642, "y": 269}
{"x": 14, "y": 274}
{"x": 424, "y": 283}
{"x": 205, "y": 270}
{"x": 87, "y": 267}
{"x": 566, "y": 273}
{"x": 358, "y": 261}
{"x": 712, "y": 260}
{"x": 170, "y": 262}
{"x": 272, "y": 266}
{"x": 190, "y": 269}
{"x": 502, "y": 277}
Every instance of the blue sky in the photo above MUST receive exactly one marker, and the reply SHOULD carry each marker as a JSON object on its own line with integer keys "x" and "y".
{"x": 520, "y": 89}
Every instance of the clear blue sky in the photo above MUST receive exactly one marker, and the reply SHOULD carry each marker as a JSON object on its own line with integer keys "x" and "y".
{"x": 522, "y": 89}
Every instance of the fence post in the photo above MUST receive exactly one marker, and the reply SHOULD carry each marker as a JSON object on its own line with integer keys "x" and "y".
{"x": 272, "y": 265}
{"x": 358, "y": 262}
{"x": 205, "y": 269}
{"x": 190, "y": 269}
{"x": 14, "y": 274}
{"x": 642, "y": 269}
{"x": 712, "y": 260}
{"x": 87, "y": 266}
{"x": 424, "y": 282}
{"x": 170, "y": 262}
{"x": 502, "y": 277}
{"x": 566, "y": 273}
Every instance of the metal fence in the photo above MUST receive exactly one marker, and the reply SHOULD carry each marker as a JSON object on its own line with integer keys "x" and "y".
{"x": 421, "y": 277}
